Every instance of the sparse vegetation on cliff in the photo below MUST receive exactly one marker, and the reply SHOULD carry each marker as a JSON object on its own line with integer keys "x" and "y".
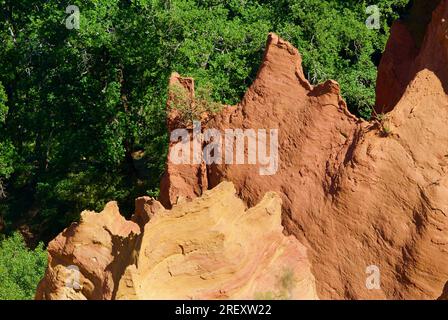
{"x": 286, "y": 283}
{"x": 191, "y": 108}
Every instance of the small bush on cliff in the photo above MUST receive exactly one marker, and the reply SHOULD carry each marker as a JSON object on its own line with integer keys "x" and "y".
{"x": 382, "y": 121}
{"x": 20, "y": 268}
{"x": 286, "y": 283}
{"x": 191, "y": 108}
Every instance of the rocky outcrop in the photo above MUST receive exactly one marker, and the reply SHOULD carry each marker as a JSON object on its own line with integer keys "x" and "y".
{"x": 357, "y": 194}
{"x": 213, "y": 248}
{"x": 210, "y": 248}
{"x": 187, "y": 180}
{"x": 368, "y": 200}
{"x": 88, "y": 258}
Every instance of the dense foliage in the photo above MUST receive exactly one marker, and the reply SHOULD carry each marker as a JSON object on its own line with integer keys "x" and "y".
{"x": 82, "y": 111}
{"x": 20, "y": 268}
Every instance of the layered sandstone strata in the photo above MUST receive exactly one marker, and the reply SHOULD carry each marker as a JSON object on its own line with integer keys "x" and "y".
{"x": 210, "y": 248}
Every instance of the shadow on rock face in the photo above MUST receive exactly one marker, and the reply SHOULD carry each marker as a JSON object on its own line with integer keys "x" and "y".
{"x": 444, "y": 295}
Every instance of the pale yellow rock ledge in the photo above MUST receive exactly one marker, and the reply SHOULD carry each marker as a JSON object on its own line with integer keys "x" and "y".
{"x": 209, "y": 248}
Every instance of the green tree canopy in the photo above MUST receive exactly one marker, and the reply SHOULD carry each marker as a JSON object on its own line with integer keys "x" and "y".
{"x": 21, "y": 269}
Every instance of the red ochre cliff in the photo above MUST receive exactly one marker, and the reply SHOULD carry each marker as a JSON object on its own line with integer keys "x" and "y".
{"x": 348, "y": 194}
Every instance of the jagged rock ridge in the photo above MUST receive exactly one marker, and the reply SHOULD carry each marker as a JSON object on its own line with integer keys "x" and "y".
{"x": 355, "y": 193}
{"x": 210, "y": 248}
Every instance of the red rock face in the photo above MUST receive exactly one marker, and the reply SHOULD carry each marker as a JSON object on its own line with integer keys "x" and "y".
{"x": 395, "y": 70}
{"x": 355, "y": 193}
{"x": 369, "y": 201}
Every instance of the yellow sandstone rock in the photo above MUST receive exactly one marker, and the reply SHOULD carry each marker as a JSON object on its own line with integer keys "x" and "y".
{"x": 209, "y": 248}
